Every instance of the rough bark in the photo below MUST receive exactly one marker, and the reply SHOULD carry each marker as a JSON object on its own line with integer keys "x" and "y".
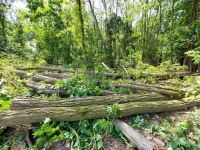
{"x": 134, "y": 136}
{"x": 26, "y": 103}
{"x": 149, "y": 88}
{"x": 45, "y": 69}
{"x": 42, "y": 89}
{"x": 18, "y": 117}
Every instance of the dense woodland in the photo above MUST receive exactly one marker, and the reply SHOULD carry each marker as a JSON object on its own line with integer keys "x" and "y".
{"x": 100, "y": 74}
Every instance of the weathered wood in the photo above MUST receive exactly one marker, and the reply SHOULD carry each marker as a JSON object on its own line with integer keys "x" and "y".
{"x": 149, "y": 88}
{"x": 1, "y": 82}
{"x": 26, "y": 103}
{"x": 133, "y": 136}
{"x": 18, "y": 117}
{"x": 105, "y": 66}
{"x": 56, "y": 75}
{"x": 107, "y": 93}
{"x": 49, "y": 80}
{"x": 43, "y": 68}
{"x": 42, "y": 89}
{"x": 23, "y": 74}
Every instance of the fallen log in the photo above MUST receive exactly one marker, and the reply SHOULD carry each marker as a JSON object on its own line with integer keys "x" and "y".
{"x": 48, "y": 80}
{"x": 41, "y": 77}
{"x": 43, "y": 68}
{"x": 168, "y": 74}
{"x": 18, "y": 117}
{"x": 108, "y": 93}
{"x": 23, "y": 74}
{"x": 149, "y": 88}
{"x": 43, "y": 90}
{"x": 111, "y": 75}
{"x": 26, "y": 103}
{"x": 56, "y": 75}
{"x": 133, "y": 136}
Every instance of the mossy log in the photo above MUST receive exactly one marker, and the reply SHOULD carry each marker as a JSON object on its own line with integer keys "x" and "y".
{"x": 44, "y": 68}
{"x": 42, "y": 89}
{"x": 151, "y": 88}
{"x": 26, "y": 103}
{"x": 18, "y": 117}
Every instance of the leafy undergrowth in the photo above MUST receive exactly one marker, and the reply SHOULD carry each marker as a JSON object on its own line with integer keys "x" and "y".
{"x": 174, "y": 131}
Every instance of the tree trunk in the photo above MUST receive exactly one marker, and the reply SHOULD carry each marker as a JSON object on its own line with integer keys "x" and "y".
{"x": 43, "y": 68}
{"x": 36, "y": 77}
{"x": 112, "y": 75}
{"x": 49, "y": 80}
{"x": 94, "y": 16}
{"x": 18, "y": 117}
{"x": 42, "y": 89}
{"x": 26, "y": 103}
{"x": 134, "y": 136}
{"x": 151, "y": 88}
{"x": 79, "y": 3}
{"x": 56, "y": 75}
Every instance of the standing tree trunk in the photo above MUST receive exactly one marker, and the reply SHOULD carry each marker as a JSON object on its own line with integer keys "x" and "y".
{"x": 94, "y": 16}
{"x": 79, "y": 3}
{"x": 172, "y": 25}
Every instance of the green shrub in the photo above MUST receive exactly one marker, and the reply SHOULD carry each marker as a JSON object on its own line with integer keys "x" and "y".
{"x": 83, "y": 85}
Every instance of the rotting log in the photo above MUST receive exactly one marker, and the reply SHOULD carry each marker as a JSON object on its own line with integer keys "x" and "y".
{"x": 26, "y": 103}
{"x": 43, "y": 68}
{"x": 133, "y": 136}
{"x": 43, "y": 90}
{"x": 18, "y": 117}
{"x": 143, "y": 87}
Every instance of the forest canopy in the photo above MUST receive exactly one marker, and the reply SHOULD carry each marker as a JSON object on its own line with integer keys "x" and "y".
{"x": 117, "y": 32}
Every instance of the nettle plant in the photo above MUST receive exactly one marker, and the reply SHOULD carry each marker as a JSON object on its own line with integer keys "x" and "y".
{"x": 5, "y": 100}
{"x": 80, "y": 134}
